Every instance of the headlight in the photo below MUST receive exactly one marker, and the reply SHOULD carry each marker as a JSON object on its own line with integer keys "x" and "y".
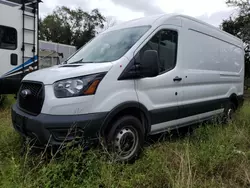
{"x": 73, "y": 87}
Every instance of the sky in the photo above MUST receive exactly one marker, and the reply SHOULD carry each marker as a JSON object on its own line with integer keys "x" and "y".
{"x": 210, "y": 11}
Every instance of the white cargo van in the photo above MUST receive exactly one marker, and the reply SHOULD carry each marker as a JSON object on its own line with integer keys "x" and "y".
{"x": 143, "y": 77}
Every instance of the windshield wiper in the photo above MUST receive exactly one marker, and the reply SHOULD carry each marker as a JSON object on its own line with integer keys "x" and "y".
{"x": 79, "y": 61}
{"x": 87, "y": 62}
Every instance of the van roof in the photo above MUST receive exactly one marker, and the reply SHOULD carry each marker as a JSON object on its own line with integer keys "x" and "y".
{"x": 160, "y": 19}
{"x": 209, "y": 25}
{"x": 149, "y": 20}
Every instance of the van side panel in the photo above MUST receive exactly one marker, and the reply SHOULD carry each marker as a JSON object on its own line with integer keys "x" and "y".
{"x": 213, "y": 64}
{"x": 111, "y": 92}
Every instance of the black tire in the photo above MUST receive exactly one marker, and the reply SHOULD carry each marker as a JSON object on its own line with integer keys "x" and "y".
{"x": 2, "y": 97}
{"x": 229, "y": 112}
{"x": 126, "y": 138}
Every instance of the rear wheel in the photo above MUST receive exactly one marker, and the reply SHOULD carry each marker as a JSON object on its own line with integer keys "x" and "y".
{"x": 2, "y": 97}
{"x": 126, "y": 139}
{"x": 229, "y": 112}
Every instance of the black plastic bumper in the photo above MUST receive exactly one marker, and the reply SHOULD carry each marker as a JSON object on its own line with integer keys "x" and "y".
{"x": 54, "y": 129}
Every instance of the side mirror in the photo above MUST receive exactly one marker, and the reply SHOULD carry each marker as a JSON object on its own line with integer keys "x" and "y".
{"x": 150, "y": 64}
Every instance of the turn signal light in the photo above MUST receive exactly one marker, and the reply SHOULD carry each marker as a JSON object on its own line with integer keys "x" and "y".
{"x": 92, "y": 88}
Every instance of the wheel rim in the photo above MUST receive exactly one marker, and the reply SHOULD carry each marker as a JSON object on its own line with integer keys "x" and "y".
{"x": 126, "y": 142}
{"x": 230, "y": 113}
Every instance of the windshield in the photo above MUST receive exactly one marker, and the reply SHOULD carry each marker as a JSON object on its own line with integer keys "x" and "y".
{"x": 109, "y": 46}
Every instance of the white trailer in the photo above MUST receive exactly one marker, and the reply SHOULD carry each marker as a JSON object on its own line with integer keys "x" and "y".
{"x": 51, "y": 53}
{"x": 18, "y": 42}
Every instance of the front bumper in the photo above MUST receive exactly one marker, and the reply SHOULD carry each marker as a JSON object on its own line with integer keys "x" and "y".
{"x": 55, "y": 130}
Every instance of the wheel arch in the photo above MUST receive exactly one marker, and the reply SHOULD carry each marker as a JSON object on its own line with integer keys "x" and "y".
{"x": 234, "y": 99}
{"x": 128, "y": 108}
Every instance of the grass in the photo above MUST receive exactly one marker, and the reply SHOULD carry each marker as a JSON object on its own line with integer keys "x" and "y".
{"x": 210, "y": 156}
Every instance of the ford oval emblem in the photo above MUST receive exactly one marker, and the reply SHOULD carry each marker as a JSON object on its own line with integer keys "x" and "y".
{"x": 25, "y": 93}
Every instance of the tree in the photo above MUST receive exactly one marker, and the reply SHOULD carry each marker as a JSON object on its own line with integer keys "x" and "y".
{"x": 110, "y": 22}
{"x": 70, "y": 26}
{"x": 243, "y": 5}
{"x": 240, "y": 27}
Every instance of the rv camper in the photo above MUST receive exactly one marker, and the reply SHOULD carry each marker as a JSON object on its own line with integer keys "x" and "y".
{"x": 18, "y": 42}
{"x": 20, "y": 50}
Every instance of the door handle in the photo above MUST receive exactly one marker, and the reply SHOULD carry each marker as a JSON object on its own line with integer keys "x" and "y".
{"x": 177, "y": 79}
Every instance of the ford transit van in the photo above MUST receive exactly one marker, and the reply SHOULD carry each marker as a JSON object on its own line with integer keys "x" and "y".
{"x": 142, "y": 77}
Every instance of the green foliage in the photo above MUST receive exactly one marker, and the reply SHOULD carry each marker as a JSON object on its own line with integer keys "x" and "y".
{"x": 240, "y": 26}
{"x": 212, "y": 155}
{"x": 70, "y": 26}
{"x": 243, "y": 5}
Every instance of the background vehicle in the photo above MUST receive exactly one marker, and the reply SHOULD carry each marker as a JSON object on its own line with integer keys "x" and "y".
{"x": 51, "y": 53}
{"x": 143, "y": 77}
{"x": 19, "y": 45}
{"x": 18, "y": 42}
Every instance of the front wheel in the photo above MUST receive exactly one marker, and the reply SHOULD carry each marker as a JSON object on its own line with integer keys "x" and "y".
{"x": 126, "y": 139}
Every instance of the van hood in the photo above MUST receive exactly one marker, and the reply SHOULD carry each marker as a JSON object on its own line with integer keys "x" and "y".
{"x": 60, "y": 72}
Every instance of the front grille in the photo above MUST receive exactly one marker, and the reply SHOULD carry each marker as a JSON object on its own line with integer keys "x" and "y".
{"x": 33, "y": 102}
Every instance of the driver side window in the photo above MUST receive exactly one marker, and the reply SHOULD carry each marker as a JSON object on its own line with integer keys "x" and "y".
{"x": 165, "y": 42}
